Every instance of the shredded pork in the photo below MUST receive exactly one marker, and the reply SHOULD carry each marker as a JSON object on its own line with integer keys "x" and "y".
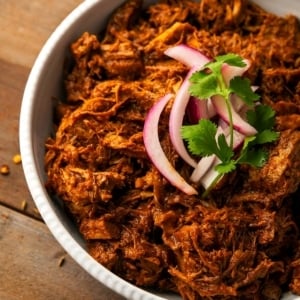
{"x": 240, "y": 243}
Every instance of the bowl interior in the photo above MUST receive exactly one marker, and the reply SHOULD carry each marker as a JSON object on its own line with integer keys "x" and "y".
{"x": 45, "y": 84}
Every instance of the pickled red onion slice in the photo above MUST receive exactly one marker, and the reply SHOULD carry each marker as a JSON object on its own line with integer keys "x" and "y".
{"x": 196, "y": 110}
{"x": 176, "y": 119}
{"x": 202, "y": 167}
{"x": 155, "y": 151}
{"x": 238, "y": 123}
{"x": 187, "y": 55}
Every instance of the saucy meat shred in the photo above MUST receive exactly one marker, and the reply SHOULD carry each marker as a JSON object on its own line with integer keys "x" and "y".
{"x": 243, "y": 241}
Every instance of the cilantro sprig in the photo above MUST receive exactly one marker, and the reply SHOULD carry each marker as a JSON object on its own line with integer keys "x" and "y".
{"x": 201, "y": 138}
{"x": 209, "y": 81}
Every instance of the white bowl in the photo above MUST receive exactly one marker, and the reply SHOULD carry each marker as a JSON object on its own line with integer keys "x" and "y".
{"x": 45, "y": 82}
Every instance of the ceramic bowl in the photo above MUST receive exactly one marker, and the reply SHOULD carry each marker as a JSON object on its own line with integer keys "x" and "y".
{"x": 44, "y": 83}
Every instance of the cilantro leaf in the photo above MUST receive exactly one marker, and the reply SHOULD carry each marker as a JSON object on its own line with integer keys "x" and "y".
{"x": 262, "y": 117}
{"x": 253, "y": 157}
{"x": 226, "y": 167}
{"x": 242, "y": 87}
{"x": 226, "y": 152}
{"x": 266, "y": 136}
{"x": 231, "y": 59}
{"x": 203, "y": 85}
{"x": 200, "y": 138}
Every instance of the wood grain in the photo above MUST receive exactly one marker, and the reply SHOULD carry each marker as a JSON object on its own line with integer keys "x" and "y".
{"x": 30, "y": 257}
{"x": 13, "y": 187}
{"x": 33, "y": 266}
{"x": 26, "y": 25}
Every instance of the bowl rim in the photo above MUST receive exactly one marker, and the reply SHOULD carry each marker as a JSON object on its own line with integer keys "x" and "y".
{"x": 34, "y": 182}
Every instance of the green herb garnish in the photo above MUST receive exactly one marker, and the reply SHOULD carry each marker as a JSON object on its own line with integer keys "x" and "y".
{"x": 201, "y": 138}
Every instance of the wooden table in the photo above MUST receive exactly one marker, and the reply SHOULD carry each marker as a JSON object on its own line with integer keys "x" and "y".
{"x": 32, "y": 264}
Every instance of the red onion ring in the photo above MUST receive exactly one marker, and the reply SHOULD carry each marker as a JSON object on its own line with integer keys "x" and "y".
{"x": 176, "y": 119}
{"x": 210, "y": 175}
{"x": 187, "y": 55}
{"x": 202, "y": 167}
{"x": 155, "y": 151}
{"x": 238, "y": 123}
{"x": 196, "y": 110}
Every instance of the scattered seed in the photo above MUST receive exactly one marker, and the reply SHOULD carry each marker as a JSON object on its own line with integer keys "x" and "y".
{"x": 17, "y": 159}
{"x": 36, "y": 211}
{"x": 61, "y": 261}
{"x": 23, "y": 205}
{"x": 4, "y": 170}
